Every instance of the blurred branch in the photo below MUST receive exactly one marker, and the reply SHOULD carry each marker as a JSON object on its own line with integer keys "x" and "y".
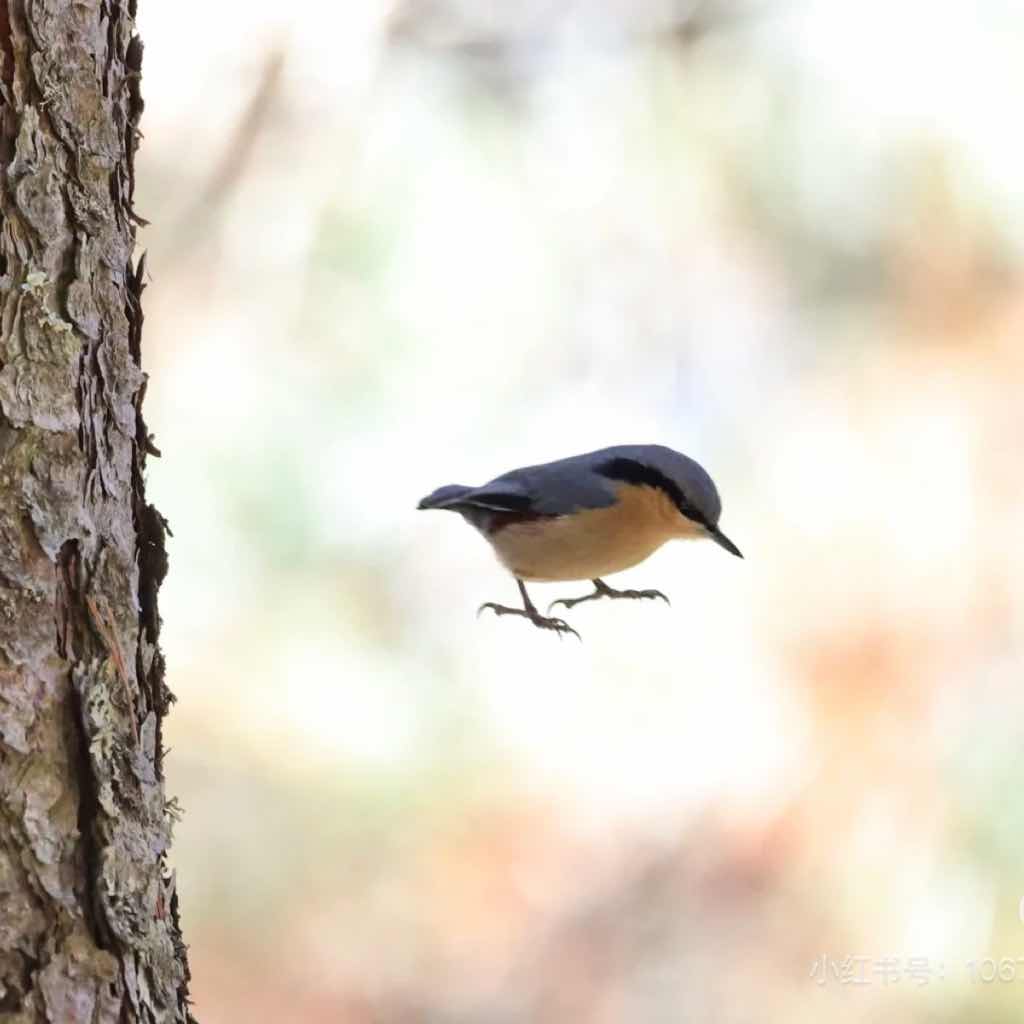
{"x": 235, "y": 160}
{"x": 505, "y": 46}
{"x": 495, "y": 32}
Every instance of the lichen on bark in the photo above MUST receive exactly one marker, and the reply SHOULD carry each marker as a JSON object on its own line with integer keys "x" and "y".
{"x": 89, "y": 929}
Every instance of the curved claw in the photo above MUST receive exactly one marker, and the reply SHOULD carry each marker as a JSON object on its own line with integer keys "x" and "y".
{"x": 606, "y": 591}
{"x": 560, "y": 626}
{"x": 647, "y": 594}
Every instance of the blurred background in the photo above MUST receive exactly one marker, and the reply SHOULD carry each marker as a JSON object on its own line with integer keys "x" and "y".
{"x": 407, "y": 243}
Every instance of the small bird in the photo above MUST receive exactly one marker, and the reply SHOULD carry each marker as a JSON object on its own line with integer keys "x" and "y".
{"x": 587, "y": 516}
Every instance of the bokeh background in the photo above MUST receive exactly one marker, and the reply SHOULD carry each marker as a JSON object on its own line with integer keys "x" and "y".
{"x": 401, "y": 244}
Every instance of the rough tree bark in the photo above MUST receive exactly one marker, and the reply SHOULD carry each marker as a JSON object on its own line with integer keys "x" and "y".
{"x": 88, "y": 915}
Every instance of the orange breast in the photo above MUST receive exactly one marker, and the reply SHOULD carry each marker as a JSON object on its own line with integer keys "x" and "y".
{"x": 594, "y": 542}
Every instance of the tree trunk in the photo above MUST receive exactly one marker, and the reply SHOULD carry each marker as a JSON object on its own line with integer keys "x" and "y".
{"x": 88, "y": 915}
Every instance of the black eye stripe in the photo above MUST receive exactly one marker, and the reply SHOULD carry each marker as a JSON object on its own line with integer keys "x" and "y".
{"x": 637, "y": 473}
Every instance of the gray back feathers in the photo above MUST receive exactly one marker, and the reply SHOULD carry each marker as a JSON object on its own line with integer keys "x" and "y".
{"x": 588, "y": 481}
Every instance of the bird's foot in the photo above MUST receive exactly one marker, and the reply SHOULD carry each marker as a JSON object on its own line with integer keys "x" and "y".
{"x": 641, "y": 594}
{"x": 601, "y": 589}
{"x": 560, "y": 626}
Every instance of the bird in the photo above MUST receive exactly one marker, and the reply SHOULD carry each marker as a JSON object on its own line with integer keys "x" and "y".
{"x": 586, "y": 517}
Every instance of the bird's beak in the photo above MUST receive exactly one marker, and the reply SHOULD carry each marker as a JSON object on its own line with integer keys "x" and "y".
{"x": 722, "y": 541}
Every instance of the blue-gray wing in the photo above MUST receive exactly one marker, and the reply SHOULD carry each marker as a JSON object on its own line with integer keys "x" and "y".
{"x": 553, "y": 489}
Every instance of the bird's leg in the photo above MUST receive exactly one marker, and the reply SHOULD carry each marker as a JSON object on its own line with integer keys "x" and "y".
{"x": 529, "y": 611}
{"x": 601, "y": 589}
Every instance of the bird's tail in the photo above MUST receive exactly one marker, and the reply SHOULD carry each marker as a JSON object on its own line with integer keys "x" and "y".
{"x": 444, "y": 497}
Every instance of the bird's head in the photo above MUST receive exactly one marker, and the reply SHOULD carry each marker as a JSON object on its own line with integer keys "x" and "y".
{"x": 685, "y": 482}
